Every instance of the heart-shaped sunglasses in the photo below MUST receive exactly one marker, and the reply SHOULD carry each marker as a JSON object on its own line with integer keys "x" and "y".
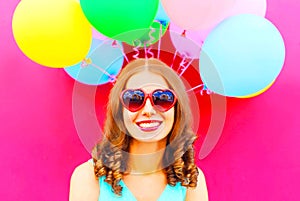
{"x": 135, "y": 99}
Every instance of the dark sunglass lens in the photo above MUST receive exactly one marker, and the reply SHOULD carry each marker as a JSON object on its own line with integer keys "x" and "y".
{"x": 133, "y": 99}
{"x": 163, "y": 100}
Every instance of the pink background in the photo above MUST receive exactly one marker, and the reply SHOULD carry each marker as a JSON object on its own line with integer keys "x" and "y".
{"x": 256, "y": 158}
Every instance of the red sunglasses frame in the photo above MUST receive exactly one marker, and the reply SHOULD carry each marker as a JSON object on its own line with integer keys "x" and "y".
{"x": 148, "y": 95}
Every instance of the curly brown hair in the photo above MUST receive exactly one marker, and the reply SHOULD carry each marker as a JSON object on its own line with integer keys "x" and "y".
{"x": 110, "y": 155}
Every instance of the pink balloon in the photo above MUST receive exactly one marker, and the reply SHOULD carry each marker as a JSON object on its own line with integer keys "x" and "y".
{"x": 197, "y": 36}
{"x": 187, "y": 44}
{"x": 98, "y": 35}
{"x": 197, "y": 14}
{"x": 256, "y": 7}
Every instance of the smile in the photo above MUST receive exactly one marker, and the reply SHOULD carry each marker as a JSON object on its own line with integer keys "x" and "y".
{"x": 148, "y": 125}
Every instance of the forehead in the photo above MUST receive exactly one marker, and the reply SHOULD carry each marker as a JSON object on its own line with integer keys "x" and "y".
{"x": 146, "y": 79}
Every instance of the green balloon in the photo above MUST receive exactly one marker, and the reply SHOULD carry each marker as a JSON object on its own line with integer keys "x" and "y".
{"x": 117, "y": 19}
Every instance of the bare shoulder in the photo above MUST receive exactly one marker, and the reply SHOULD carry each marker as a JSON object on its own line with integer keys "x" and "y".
{"x": 83, "y": 184}
{"x": 200, "y": 192}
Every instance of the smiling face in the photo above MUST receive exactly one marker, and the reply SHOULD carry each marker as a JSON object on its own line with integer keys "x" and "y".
{"x": 148, "y": 124}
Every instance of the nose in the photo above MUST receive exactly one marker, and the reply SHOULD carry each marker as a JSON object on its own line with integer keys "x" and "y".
{"x": 148, "y": 109}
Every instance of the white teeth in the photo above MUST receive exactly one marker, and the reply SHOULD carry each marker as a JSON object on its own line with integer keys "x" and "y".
{"x": 149, "y": 125}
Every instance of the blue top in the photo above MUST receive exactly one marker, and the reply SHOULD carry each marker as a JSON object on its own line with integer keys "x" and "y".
{"x": 174, "y": 193}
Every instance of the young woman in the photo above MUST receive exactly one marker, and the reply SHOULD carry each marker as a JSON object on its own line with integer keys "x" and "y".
{"x": 147, "y": 151}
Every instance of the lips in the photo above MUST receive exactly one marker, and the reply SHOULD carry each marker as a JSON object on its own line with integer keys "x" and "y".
{"x": 149, "y": 125}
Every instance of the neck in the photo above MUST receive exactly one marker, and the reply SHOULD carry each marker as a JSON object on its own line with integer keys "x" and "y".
{"x": 146, "y": 157}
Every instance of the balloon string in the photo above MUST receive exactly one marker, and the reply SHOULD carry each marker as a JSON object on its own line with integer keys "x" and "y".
{"x": 148, "y": 51}
{"x": 101, "y": 69}
{"x": 116, "y": 44}
{"x": 160, "y": 35}
{"x": 202, "y": 90}
{"x": 151, "y": 37}
{"x": 192, "y": 89}
{"x": 184, "y": 65}
{"x": 86, "y": 62}
{"x": 145, "y": 50}
{"x": 175, "y": 54}
{"x": 136, "y": 49}
{"x": 112, "y": 78}
{"x": 149, "y": 42}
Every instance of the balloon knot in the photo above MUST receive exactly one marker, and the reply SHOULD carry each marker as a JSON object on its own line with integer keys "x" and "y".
{"x": 112, "y": 78}
{"x": 86, "y": 62}
{"x": 163, "y": 22}
{"x": 114, "y": 43}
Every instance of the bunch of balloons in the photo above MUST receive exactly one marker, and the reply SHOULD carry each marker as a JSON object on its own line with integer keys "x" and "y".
{"x": 240, "y": 52}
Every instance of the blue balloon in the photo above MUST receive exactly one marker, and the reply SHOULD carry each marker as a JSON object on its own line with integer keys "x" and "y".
{"x": 102, "y": 64}
{"x": 241, "y": 56}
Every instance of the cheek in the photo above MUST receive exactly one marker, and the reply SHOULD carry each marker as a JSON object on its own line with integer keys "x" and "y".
{"x": 129, "y": 117}
{"x": 169, "y": 117}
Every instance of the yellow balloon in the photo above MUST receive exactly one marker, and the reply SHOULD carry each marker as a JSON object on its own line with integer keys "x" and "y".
{"x": 259, "y": 92}
{"x": 53, "y": 33}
